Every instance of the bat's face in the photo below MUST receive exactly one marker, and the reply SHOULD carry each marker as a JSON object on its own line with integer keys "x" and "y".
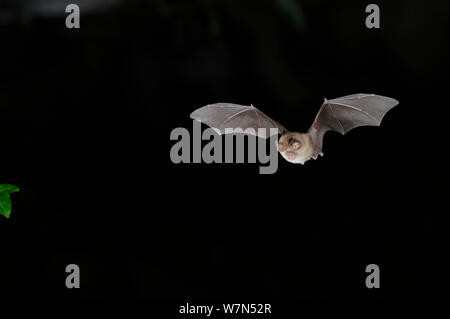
{"x": 295, "y": 147}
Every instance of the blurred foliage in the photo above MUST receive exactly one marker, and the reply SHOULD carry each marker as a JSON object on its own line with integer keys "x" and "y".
{"x": 5, "y": 200}
{"x": 293, "y": 11}
{"x": 182, "y": 13}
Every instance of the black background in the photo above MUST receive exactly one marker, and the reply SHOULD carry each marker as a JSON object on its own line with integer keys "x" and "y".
{"x": 86, "y": 116}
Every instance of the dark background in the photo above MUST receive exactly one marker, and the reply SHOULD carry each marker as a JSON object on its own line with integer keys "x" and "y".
{"x": 86, "y": 116}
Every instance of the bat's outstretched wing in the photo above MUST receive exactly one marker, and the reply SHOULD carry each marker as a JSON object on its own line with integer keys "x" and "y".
{"x": 347, "y": 112}
{"x": 234, "y": 116}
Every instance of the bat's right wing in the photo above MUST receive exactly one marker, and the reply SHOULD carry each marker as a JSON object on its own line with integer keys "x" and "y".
{"x": 347, "y": 112}
{"x": 221, "y": 116}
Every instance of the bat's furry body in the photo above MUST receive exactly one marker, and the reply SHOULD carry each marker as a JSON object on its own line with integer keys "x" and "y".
{"x": 340, "y": 115}
{"x": 296, "y": 147}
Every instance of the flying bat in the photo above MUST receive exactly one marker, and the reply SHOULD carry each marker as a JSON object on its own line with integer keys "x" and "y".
{"x": 340, "y": 115}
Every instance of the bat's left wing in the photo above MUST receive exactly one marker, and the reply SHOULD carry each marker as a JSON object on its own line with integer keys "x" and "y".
{"x": 347, "y": 112}
{"x": 221, "y": 116}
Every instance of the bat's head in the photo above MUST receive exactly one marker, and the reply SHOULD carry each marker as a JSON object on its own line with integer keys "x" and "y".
{"x": 295, "y": 147}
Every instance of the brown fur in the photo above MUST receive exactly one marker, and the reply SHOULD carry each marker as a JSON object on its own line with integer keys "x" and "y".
{"x": 299, "y": 155}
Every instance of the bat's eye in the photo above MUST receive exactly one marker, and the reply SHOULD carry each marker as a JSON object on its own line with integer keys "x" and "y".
{"x": 296, "y": 145}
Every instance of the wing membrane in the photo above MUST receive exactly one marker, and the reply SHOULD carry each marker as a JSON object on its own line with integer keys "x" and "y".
{"x": 226, "y": 115}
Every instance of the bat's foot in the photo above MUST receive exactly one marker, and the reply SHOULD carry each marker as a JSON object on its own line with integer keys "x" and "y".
{"x": 316, "y": 154}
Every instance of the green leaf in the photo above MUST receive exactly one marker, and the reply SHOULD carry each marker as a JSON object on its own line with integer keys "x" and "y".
{"x": 5, "y": 201}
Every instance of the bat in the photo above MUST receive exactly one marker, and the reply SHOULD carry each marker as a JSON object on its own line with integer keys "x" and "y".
{"x": 340, "y": 115}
